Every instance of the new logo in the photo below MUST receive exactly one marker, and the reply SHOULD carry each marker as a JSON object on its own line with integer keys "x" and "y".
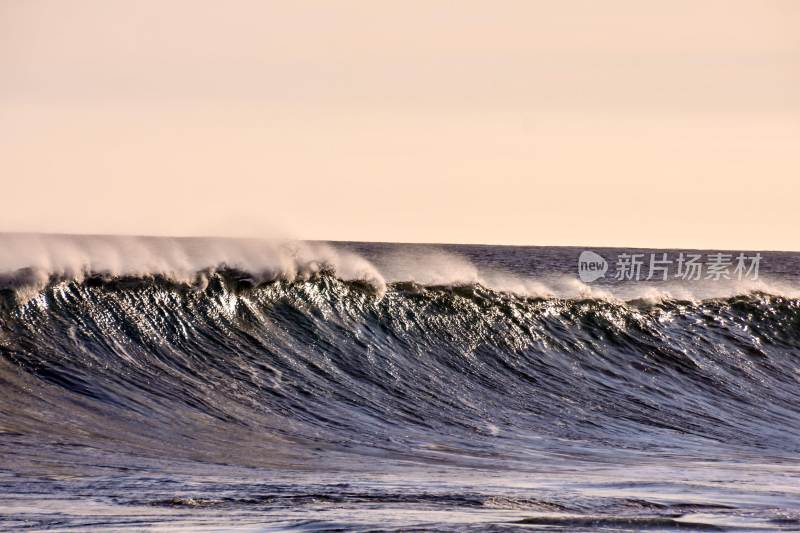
{"x": 591, "y": 266}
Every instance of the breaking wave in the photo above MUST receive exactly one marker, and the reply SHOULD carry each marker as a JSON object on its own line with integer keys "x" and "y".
{"x": 237, "y": 354}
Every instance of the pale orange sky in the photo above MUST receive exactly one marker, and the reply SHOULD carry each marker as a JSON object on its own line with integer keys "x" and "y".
{"x": 623, "y": 122}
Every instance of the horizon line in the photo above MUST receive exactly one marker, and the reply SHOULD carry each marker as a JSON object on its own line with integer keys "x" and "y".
{"x": 410, "y": 243}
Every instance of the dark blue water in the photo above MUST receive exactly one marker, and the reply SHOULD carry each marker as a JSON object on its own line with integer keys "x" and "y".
{"x": 198, "y": 385}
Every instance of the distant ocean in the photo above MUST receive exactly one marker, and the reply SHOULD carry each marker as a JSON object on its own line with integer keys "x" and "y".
{"x": 231, "y": 385}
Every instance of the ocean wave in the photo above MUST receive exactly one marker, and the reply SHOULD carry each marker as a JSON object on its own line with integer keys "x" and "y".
{"x": 262, "y": 372}
{"x": 30, "y": 262}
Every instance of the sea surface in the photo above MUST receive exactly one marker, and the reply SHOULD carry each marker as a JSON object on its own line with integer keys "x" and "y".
{"x": 157, "y": 384}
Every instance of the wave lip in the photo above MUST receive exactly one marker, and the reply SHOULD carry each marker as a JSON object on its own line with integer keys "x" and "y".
{"x": 29, "y": 262}
{"x": 36, "y": 259}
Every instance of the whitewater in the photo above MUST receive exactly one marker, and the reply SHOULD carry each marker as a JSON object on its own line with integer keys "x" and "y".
{"x": 192, "y": 384}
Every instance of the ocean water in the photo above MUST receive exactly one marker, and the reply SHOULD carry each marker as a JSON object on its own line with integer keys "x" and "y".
{"x": 153, "y": 384}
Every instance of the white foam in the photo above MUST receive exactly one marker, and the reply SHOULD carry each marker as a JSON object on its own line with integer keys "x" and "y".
{"x": 74, "y": 257}
{"x": 182, "y": 259}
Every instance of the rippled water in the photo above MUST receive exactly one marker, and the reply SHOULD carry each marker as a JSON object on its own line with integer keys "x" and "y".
{"x": 431, "y": 388}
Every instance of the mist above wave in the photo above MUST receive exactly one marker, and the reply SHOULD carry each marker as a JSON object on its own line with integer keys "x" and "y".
{"x": 33, "y": 260}
{"x": 38, "y": 258}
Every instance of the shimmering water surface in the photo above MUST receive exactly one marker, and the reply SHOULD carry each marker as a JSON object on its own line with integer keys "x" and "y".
{"x": 206, "y": 385}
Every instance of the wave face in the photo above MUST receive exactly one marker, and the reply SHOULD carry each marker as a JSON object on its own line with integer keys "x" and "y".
{"x": 321, "y": 371}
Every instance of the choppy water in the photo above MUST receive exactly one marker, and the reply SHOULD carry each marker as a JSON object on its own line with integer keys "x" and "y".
{"x": 162, "y": 384}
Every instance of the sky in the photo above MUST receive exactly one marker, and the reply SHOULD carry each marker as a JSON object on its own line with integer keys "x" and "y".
{"x": 570, "y": 122}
